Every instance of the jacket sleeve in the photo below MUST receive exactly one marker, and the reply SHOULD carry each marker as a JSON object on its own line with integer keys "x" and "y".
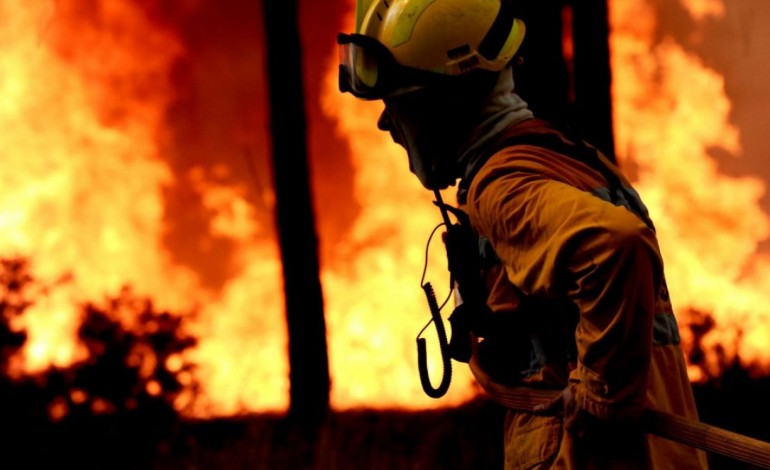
{"x": 556, "y": 240}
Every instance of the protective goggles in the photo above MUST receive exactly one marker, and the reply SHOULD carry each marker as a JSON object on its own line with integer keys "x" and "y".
{"x": 369, "y": 71}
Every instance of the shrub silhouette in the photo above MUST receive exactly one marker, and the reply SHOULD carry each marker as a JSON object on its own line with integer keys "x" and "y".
{"x": 112, "y": 409}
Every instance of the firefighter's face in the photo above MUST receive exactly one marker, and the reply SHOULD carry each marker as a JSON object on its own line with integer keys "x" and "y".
{"x": 428, "y": 130}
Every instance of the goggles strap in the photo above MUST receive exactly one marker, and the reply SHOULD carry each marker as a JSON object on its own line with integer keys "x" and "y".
{"x": 495, "y": 38}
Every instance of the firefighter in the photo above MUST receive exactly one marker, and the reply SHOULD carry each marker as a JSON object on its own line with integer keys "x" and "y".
{"x": 572, "y": 272}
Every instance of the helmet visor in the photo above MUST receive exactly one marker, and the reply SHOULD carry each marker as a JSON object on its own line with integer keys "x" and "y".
{"x": 369, "y": 71}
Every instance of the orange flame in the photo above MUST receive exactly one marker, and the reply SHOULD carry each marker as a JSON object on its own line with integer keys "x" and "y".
{"x": 671, "y": 111}
{"x": 73, "y": 160}
{"x": 100, "y": 148}
{"x": 85, "y": 89}
{"x": 83, "y": 100}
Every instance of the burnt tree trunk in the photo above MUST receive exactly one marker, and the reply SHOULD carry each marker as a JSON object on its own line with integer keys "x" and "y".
{"x": 308, "y": 358}
{"x": 570, "y": 87}
{"x": 592, "y": 73}
{"x": 541, "y": 75}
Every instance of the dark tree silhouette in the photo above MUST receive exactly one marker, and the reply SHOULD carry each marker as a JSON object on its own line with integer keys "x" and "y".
{"x": 572, "y": 91}
{"x": 308, "y": 357}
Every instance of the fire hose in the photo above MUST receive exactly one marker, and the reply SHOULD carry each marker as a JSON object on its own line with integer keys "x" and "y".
{"x": 666, "y": 425}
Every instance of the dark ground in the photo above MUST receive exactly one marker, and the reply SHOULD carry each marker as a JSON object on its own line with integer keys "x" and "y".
{"x": 463, "y": 438}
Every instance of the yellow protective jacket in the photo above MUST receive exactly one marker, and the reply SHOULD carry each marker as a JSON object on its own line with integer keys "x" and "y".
{"x": 576, "y": 267}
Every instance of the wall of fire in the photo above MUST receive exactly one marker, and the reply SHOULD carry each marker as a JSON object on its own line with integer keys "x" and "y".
{"x": 137, "y": 154}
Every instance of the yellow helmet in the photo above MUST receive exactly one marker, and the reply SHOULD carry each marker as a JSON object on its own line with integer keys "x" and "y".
{"x": 403, "y": 43}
